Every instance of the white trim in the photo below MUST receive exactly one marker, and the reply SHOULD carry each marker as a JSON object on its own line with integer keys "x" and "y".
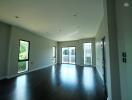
{"x": 3, "y": 77}
{"x": 12, "y": 76}
{"x": 35, "y": 69}
{"x": 38, "y": 68}
{"x": 108, "y": 98}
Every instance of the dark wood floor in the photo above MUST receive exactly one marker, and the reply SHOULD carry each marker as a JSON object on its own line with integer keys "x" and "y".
{"x": 60, "y": 82}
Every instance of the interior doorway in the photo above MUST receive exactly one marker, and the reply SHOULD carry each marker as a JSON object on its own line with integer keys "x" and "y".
{"x": 23, "y": 59}
{"x": 87, "y": 54}
{"x": 104, "y": 65}
{"x": 68, "y": 55}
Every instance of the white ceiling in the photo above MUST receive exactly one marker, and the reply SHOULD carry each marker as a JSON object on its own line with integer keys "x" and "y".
{"x": 59, "y": 20}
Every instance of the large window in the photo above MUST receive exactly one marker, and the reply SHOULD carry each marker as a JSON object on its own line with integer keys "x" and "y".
{"x": 23, "y": 56}
{"x": 87, "y": 54}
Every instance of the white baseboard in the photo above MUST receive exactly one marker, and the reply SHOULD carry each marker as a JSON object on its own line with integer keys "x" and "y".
{"x": 35, "y": 69}
{"x": 11, "y": 76}
{"x": 3, "y": 77}
{"x": 38, "y": 68}
{"x": 108, "y": 98}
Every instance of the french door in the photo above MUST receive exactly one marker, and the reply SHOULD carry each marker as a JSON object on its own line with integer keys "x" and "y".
{"x": 68, "y": 55}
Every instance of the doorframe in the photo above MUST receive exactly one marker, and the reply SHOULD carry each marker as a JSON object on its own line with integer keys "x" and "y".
{"x": 68, "y": 55}
{"x": 104, "y": 66}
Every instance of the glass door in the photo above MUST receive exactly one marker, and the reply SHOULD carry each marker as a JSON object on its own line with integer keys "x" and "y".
{"x": 72, "y": 55}
{"x": 68, "y": 55}
{"x": 87, "y": 54}
{"x": 65, "y": 55}
{"x": 23, "y": 56}
{"x": 54, "y": 54}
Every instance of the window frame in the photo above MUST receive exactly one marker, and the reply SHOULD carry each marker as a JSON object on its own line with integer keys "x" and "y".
{"x": 68, "y": 54}
{"x": 28, "y": 55}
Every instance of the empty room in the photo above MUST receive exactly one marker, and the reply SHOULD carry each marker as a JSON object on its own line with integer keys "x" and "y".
{"x": 65, "y": 49}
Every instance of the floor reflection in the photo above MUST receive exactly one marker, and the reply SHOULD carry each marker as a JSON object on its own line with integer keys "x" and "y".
{"x": 20, "y": 92}
{"x": 59, "y": 82}
{"x": 88, "y": 79}
{"x": 53, "y": 76}
{"x": 68, "y": 75}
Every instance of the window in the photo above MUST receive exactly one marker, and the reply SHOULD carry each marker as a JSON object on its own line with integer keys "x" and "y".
{"x": 66, "y": 52}
{"x": 88, "y": 54}
{"x": 68, "y": 55}
{"x": 23, "y": 56}
{"x": 54, "y": 54}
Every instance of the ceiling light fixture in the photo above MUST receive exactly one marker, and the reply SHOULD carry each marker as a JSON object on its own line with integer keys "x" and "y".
{"x": 126, "y": 4}
{"x": 75, "y": 15}
{"x": 17, "y": 17}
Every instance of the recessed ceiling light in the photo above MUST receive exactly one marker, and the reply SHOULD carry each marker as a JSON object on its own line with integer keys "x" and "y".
{"x": 126, "y": 4}
{"x": 75, "y": 15}
{"x": 17, "y": 17}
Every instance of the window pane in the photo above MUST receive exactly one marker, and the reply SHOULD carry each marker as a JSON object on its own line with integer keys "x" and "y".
{"x": 22, "y": 66}
{"x": 68, "y": 55}
{"x": 23, "y": 50}
{"x": 65, "y": 55}
{"x": 72, "y": 55}
{"x": 65, "y": 52}
{"x": 54, "y": 52}
{"x": 54, "y": 55}
{"x": 88, "y": 53}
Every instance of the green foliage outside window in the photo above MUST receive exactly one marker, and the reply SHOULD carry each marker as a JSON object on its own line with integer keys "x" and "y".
{"x": 23, "y": 55}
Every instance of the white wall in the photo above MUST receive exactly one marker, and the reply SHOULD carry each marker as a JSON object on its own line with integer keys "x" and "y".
{"x": 114, "y": 64}
{"x": 124, "y": 30}
{"x": 40, "y": 50}
{"x": 103, "y": 32}
{"x": 108, "y": 29}
{"x": 4, "y": 43}
{"x": 79, "y": 50}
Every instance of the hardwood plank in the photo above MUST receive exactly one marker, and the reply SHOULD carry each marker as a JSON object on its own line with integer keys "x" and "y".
{"x": 59, "y": 82}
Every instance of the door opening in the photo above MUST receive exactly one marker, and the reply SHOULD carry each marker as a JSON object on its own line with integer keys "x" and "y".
{"x": 68, "y": 55}
{"x": 23, "y": 59}
{"x": 104, "y": 66}
{"x": 87, "y": 54}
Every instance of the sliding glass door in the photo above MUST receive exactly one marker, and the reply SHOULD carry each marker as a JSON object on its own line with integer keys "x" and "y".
{"x": 72, "y": 55}
{"x": 87, "y": 54}
{"x": 23, "y": 56}
{"x": 65, "y": 55}
{"x": 68, "y": 55}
